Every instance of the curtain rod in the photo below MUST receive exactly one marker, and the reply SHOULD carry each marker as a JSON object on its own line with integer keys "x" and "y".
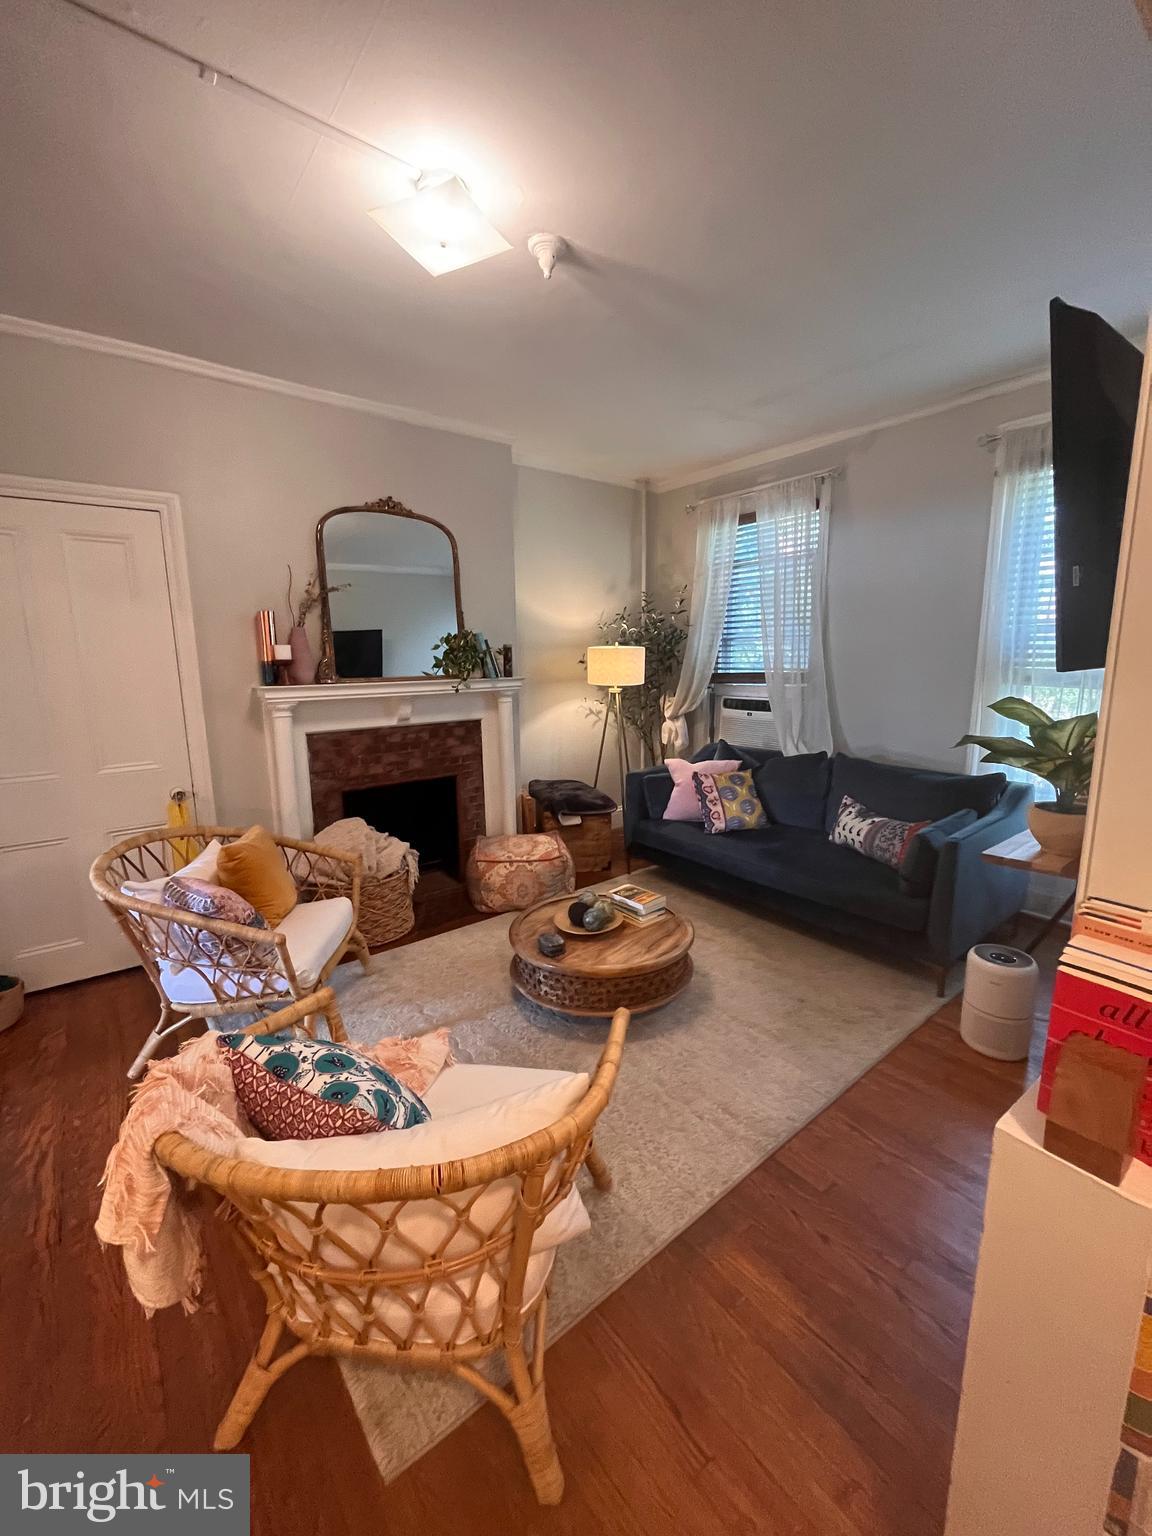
{"x": 833, "y": 473}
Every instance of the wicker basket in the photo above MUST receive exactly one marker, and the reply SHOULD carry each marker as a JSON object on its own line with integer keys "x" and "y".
{"x": 385, "y": 908}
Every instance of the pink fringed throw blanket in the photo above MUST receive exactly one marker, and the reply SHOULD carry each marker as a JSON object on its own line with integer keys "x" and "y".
{"x": 149, "y": 1212}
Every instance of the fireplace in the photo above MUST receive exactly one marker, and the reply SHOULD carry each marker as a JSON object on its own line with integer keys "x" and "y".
{"x": 423, "y": 784}
{"x": 422, "y": 812}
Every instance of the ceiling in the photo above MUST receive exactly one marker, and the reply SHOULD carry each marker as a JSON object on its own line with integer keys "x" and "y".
{"x": 788, "y": 217}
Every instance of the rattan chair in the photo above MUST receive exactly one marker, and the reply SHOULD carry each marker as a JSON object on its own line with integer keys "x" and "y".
{"x": 370, "y": 1298}
{"x": 204, "y": 967}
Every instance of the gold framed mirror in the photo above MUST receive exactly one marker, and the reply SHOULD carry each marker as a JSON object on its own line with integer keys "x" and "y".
{"x": 390, "y": 588}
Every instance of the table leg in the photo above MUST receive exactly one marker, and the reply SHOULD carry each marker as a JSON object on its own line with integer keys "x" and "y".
{"x": 1034, "y": 944}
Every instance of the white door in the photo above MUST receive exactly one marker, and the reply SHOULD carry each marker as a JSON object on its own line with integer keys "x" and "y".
{"x": 92, "y": 736}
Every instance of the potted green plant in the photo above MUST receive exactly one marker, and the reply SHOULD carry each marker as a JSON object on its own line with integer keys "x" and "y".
{"x": 663, "y": 636}
{"x": 460, "y": 657}
{"x": 1059, "y": 751}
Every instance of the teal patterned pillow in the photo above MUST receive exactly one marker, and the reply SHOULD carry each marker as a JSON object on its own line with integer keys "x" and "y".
{"x": 730, "y": 802}
{"x": 300, "y": 1090}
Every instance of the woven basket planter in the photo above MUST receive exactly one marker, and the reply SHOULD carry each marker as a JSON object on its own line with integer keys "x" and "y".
{"x": 385, "y": 908}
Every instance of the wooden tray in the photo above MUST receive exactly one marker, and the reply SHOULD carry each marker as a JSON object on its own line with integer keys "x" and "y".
{"x": 565, "y": 926}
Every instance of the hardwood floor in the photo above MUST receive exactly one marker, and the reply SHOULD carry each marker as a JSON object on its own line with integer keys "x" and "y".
{"x": 790, "y": 1364}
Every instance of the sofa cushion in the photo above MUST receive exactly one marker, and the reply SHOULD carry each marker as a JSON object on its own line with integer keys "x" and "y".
{"x": 882, "y": 838}
{"x": 657, "y": 787}
{"x": 909, "y": 794}
{"x": 728, "y": 800}
{"x": 918, "y": 869}
{"x": 797, "y": 862}
{"x": 748, "y": 757}
{"x": 793, "y": 790}
{"x": 684, "y": 804}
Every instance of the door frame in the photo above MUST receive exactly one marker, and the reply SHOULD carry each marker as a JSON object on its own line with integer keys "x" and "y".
{"x": 167, "y": 507}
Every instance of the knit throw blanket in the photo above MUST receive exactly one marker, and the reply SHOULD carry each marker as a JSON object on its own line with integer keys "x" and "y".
{"x": 380, "y": 853}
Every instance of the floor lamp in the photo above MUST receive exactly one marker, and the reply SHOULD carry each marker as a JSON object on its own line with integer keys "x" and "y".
{"x": 615, "y": 667}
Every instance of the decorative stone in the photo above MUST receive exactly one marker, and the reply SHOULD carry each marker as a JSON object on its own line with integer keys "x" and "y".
{"x": 551, "y": 944}
{"x": 577, "y": 910}
{"x": 589, "y": 897}
{"x": 597, "y": 917}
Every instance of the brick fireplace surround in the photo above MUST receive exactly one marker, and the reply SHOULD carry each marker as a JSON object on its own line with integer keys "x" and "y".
{"x": 398, "y": 754}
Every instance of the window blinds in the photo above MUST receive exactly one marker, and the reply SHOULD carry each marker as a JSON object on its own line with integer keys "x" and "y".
{"x": 742, "y": 640}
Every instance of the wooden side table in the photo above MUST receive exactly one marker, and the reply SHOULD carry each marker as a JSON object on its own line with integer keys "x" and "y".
{"x": 1025, "y": 853}
{"x": 634, "y": 967}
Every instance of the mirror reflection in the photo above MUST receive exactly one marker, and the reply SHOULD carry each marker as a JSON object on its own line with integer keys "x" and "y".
{"x": 398, "y": 594}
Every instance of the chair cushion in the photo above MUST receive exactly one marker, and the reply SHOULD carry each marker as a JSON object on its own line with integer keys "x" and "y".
{"x": 480, "y": 1124}
{"x": 315, "y": 930}
{"x": 253, "y": 866}
{"x": 293, "y": 1089}
{"x": 202, "y": 867}
{"x": 909, "y": 794}
{"x": 794, "y": 790}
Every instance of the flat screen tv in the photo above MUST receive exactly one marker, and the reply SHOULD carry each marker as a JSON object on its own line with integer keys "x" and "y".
{"x": 358, "y": 652}
{"x": 1095, "y": 394}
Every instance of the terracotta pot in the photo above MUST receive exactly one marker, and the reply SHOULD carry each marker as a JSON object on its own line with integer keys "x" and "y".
{"x": 302, "y": 667}
{"x": 1059, "y": 832}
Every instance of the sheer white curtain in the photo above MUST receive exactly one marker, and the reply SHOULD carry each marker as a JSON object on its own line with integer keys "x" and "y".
{"x": 715, "y": 546}
{"x": 792, "y": 528}
{"x": 1018, "y": 633}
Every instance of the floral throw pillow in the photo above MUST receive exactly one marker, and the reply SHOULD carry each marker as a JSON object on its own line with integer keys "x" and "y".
{"x": 877, "y": 837}
{"x": 730, "y": 802}
{"x": 302, "y": 1090}
{"x": 207, "y": 900}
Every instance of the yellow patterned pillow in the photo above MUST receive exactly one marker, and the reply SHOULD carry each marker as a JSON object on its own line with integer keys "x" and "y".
{"x": 254, "y": 868}
{"x": 730, "y": 802}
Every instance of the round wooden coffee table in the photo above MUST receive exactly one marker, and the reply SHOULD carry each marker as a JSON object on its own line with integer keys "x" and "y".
{"x": 634, "y": 967}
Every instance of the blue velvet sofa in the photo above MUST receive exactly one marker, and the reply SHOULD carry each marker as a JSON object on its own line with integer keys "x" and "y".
{"x": 955, "y": 900}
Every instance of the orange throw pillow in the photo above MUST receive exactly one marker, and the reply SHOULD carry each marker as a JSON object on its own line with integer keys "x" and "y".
{"x": 254, "y": 868}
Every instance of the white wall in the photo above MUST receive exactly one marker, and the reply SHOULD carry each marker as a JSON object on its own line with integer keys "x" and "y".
{"x": 906, "y": 557}
{"x": 577, "y": 560}
{"x": 254, "y": 470}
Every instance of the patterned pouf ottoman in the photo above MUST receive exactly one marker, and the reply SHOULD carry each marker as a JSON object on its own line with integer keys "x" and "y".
{"x": 507, "y": 874}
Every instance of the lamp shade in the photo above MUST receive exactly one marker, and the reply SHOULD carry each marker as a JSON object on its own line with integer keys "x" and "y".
{"x": 616, "y": 666}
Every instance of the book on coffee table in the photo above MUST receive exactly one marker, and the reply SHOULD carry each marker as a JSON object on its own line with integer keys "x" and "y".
{"x": 638, "y": 901}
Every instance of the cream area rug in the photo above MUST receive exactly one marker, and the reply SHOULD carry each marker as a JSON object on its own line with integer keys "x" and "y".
{"x": 774, "y": 1025}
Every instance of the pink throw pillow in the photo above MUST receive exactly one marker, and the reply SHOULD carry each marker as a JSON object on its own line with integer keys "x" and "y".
{"x": 685, "y": 802}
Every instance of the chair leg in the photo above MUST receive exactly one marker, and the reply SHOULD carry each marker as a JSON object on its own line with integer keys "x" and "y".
{"x": 598, "y": 1168}
{"x": 530, "y": 1423}
{"x": 261, "y": 1372}
{"x": 359, "y": 945}
{"x": 336, "y": 1031}
{"x": 168, "y": 1021}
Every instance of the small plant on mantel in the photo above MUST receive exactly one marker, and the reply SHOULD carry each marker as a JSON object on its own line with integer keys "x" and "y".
{"x": 459, "y": 657}
{"x": 1059, "y": 751}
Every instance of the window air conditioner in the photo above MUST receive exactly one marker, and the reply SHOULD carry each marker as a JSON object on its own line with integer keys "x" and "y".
{"x": 746, "y": 722}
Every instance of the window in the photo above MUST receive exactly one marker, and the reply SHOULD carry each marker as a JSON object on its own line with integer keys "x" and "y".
{"x": 1019, "y": 640}
{"x": 793, "y": 559}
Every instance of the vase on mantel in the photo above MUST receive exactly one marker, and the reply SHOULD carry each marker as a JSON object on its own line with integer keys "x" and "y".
{"x": 302, "y": 667}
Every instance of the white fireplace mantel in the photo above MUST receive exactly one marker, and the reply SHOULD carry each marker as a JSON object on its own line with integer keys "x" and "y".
{"x": 291, "y": 714}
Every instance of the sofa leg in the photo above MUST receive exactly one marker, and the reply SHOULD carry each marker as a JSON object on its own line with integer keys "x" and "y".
{"x": 941, "y": 979}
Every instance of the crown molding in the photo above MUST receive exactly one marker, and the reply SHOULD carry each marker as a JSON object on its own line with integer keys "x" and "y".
{"x": 709, "y": 472}
{"x": 550, "y": 467}
{"x": 137, "y": 352}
